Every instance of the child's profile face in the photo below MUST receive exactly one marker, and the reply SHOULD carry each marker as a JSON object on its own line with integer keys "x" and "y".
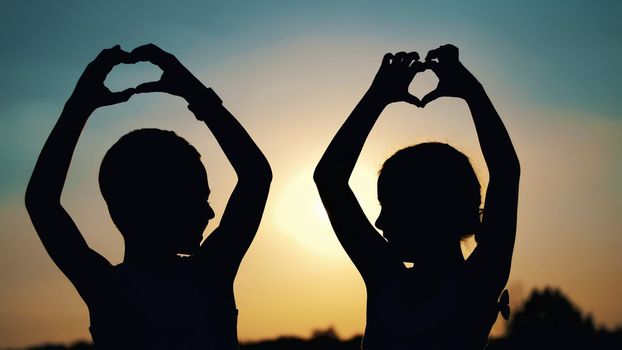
{"x": 408, "y": 219}
{"x": 183, "y": 211}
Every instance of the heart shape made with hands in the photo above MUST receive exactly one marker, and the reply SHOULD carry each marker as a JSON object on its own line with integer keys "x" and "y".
{"x": 452, "y": 78}
{"x": 398, "y": 71}
{"x": 175, "y": 79}
{"x": 131, "y": 75}
{"x": 137, "y": 73}
{"x": 149, "y": 57}
{"x": 424, "y": 83}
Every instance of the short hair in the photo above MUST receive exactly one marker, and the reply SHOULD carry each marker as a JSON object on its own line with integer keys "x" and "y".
{"x": 144, "y": 164}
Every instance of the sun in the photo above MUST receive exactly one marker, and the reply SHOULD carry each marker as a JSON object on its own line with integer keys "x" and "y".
{"x": 299, "y": 211}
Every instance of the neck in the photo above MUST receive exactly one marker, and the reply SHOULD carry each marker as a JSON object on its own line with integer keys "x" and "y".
{"x": 443, "y": 258}
{"x": 147, "y": 255}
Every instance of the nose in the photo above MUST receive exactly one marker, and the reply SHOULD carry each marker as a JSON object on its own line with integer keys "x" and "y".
{"x": 380, "y": 222}
{"x": 210, "y": 212}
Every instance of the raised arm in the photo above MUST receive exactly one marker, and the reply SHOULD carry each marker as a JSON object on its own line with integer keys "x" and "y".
{"x": 228, "y": 243}
{"x": 366, "y": 248}
{"x": 60, "y": 236}
{"x": 491, "y": 260}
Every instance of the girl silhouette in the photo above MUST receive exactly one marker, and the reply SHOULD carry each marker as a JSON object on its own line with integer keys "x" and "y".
{"x": 430, "y": 199}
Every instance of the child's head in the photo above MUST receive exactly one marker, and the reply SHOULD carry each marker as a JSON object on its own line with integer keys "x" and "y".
{"x": 156, "y": 189}
{"x": 430, "y": 196}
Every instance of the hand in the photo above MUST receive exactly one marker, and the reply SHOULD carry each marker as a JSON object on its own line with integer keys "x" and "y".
{"x": 175, "y": 79}
{"x": 454, "y": 80}
{"x": 90, "y": 91}
{"x": 395, "y": 75}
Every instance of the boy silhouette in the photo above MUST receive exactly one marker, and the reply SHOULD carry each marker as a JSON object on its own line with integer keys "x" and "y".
{"x": 157, "y": 193}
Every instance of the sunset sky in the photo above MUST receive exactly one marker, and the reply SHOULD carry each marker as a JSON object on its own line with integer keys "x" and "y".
{"x": 291, "y": 71}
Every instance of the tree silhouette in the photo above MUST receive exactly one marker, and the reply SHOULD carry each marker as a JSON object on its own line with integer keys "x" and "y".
{"x": 549, "y": 320}
{"x": 546, "y": 320}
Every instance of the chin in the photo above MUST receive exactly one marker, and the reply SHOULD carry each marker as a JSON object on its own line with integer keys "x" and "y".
{"x": 190, "y": 248}
{"x": 400, "y": 251}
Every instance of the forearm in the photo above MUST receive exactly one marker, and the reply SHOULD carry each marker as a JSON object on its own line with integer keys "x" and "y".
{"x": 337, "y": 163}
{"x": 493, "y": 137}
{"x": 244, "y": 155}
{"x": 50, "y": 172}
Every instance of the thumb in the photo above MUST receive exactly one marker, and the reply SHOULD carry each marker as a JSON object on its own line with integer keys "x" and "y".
{"x": 121, "y": 96}
{"x": 413, "y": 100}
{"x": 431, "y": 96}
{"x": 152, "y": 86}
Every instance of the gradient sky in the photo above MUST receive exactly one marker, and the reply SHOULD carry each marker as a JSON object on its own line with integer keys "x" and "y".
{"x": 291, "y": 71}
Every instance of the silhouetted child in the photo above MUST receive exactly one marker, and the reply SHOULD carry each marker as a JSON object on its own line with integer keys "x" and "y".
{"x": 157, "y": 194}
{"x": 430, "y": 199}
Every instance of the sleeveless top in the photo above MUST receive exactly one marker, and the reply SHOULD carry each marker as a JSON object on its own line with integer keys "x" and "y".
{"x": 451, "y": 318}
{"x": 176, "y": 307}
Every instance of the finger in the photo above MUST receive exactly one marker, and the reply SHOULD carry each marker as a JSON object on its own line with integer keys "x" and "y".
{"x": 121, "y": 96}
{"x": 126, "y": 57}
{"x": 152, "y": 86}
{"x": 432, "y": 65}
{"x": 411, "y": 57}
{"x": 413, "y": 100}
{"x": 115, "y": 55}
{"x": 433, "y": 55}
{"x": 108, "y": 58}
{"x": 399, "y": 57}
{"x": 106, "y": 52}
{"x": 387, "y": 59}
{"x": 152, "y": 53}
{"x": 418, "y": 67}
{"x": 433, "y": 95}
{"x": 448, "y": 52}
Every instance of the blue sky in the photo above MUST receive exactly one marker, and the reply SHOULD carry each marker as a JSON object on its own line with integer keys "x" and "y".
{"x": 559, "y": 52}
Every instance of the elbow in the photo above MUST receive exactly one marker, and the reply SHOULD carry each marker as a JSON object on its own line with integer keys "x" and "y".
{"x": 29, "y": 201}
{"x": 267, "y": 174}
{"x": 32, "y": 199}
{"x": 514, "y": 168}
{"x": 321, "y": 177}
{"x": 508, "y": 170}
{"x": 515, "y": 165}
{"x": 37, "y": 200}
{"x": 511, "y": 170}
{"x": 318, "y": 176}
{"x": 34, "y": 203}
{"x": 265, "y": 171}
{"x": 327, "y": 179}
{"x": 261, "y": 174}
{"x": 255, "y": 170}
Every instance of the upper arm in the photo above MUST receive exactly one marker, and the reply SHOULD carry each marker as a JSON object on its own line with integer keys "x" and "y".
{"x": 228, "y": 243}
{"x": 492, "y": 258}
{"x": 66, "y": 246}
{"x": 366, "y": 248}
